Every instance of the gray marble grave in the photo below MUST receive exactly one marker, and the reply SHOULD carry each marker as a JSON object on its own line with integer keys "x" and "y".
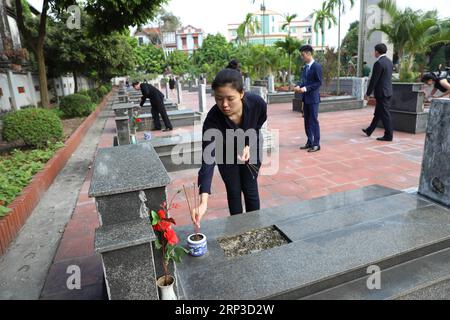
{"x": 178, "y": 118}
{"x": 123, "y": 130}
{"x": 330, "y": 244}
{"x": 202, "y": 97}
{"x": 126, "y": 181}
{"x": 435, "y": 178}
{"x": 179, "y": 152}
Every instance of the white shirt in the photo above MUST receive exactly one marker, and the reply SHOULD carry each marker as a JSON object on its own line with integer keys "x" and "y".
{"x": 309, "y": 64}
{"x": 383, "y": 55}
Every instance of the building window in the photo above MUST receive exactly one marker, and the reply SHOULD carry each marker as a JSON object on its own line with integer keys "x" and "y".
{"x": 184, "y": 41}
{"x": 293, "y": 29}
{"x": 1, "y": 92}
{"x": 21, "y": 89}
{"x": 36, "y": 88}
{"x": 141, "y": 41}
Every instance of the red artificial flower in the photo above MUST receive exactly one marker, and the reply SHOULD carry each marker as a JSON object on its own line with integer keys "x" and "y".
{"x": 162, "y": 226}
{"x": 162, "y": 214}
{"x": 171, "y": 236}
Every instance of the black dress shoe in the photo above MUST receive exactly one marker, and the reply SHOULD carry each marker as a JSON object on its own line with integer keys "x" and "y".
{"x": 314, "y": 149}
{"x": 366, "y": 132}
{"x": 384, "y": 139}
{"x": 167, "y": 129}
{"x": 306, "y": 147}
{"x": 155, "y": 129}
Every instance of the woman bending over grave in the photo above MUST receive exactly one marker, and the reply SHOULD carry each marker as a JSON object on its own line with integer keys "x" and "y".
{"x": 232, "y": 140}
{"x": 440, "y": 83}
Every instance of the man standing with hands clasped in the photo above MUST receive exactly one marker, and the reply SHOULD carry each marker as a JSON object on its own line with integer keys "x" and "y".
{"x": 310, "y": 89}
{"x": 381, "y": 84}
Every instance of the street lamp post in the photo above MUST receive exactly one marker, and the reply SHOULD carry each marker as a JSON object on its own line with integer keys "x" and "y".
{"x": 362, "y": 37}
{"x": 263, "y": 9}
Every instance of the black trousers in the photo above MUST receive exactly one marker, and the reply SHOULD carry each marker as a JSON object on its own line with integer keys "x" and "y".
{"x": 158, "y": 109}
{"x": 240, "y": 179}
{"x": 382, "y": 112}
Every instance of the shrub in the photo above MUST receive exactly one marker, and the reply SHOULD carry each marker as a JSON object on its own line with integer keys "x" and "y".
{"x": 35, "y": 126}
{"x": 76, "y": 105}
{"x": 93, "y": 94}
{"x": 102, "y": 91}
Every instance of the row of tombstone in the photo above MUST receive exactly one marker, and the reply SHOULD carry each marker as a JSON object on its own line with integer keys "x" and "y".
{"x": 130, "y": 180}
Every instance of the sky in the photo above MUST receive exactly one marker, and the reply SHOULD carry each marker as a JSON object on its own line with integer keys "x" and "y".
{"x": 214, "y": 15}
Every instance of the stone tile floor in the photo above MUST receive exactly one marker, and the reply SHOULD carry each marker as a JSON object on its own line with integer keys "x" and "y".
{"x": 348, "y": 160}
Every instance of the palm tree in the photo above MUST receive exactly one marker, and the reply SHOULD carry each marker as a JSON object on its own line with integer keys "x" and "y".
{"x": 321, "y": 18}
{"x": 248, "y": 27}
{"x": 288, "y": 18}
{"x": 289, "y": 46}
{"x": 412, "y": 32}
{"x": 341, "y": 6}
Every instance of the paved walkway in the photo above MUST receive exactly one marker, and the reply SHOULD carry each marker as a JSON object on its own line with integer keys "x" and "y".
{"x": 348, "y": 160}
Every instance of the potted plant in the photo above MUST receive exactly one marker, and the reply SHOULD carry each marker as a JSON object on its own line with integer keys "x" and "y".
{"x": 167, "y": 242}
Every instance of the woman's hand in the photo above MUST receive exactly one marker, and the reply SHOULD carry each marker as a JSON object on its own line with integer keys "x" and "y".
{"x": 245, "y": 154}
{"x": 198, "y": 213}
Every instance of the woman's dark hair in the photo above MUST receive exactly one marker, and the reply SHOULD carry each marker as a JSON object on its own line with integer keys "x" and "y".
{"x": 429, "y": 76}
{"x": 233, "y": 64}
{"x": 228, "y": 77}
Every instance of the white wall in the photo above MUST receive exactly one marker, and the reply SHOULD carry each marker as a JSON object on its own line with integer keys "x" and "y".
{"x": 63, "y": 85}
{"x": 5, "y": 103}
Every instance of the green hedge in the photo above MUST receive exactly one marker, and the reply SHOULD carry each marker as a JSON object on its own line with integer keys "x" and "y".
{"x": 76, "y": 105}
{"x": 35, "y": 126}
{"x": 102, "y": 91}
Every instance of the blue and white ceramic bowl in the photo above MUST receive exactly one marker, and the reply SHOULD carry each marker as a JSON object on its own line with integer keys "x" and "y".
{"x": 197, "y": 248}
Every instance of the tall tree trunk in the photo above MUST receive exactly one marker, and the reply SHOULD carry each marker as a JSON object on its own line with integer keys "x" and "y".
{"x": 339, "y": 53}
{"x": 75, "y": 80}
{"x": 290, "y": 71}
{"x": 45, "y": 101}
{"x": 400, "y": 63}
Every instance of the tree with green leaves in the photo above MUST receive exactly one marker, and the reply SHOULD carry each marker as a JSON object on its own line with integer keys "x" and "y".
{"x": 288, "y": 20}
{"x": 349, "y": 48}
{"x": 178, "y": 62}
{"x": 322, "y": 17}
{"x": 290, "y": 46}
{"x": 412, "y": 32}
{"x": 247, "y": 28}
{"x": 151, "y": 59}
{"x": 341, "y": 6}
{"x": 213, "y": 55}
{"x": 109, "y": 16}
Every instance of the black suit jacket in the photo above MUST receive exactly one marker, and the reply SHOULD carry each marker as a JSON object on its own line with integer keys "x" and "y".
{"x": 150, "y": 92}
{"x": 381, "y": 80}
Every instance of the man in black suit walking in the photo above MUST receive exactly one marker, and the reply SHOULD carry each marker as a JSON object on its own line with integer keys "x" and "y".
{"x": 157, "y": 101}
{"x": 381, "y": 84}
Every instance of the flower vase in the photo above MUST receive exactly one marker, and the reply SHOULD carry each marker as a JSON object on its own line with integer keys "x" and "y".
{"x": 133, "y": 139}
{"x": 166, "y": 291}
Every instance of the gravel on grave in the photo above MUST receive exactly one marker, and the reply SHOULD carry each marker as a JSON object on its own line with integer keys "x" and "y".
{"x": 252, "y": 241}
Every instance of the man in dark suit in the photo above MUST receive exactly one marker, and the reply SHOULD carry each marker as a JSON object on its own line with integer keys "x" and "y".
{"x": 381, "y": 84}
{"x": 310, "y": 89}
{"x": 157, "y": 101}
